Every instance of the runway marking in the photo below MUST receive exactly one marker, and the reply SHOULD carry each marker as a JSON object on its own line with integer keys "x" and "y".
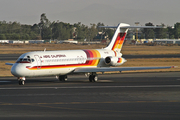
{"x": 77, "y": 103}
{"x": 4, "y": 81}
{"x": 55, "y": 106}
{"x": 91, "y": 87}
{"x": 105, "y": 81}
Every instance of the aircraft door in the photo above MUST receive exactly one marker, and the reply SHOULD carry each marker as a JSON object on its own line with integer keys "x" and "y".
{"x": 38, "y": 61}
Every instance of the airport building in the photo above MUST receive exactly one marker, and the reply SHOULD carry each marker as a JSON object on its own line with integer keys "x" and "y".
{"x": 167, "y": 41}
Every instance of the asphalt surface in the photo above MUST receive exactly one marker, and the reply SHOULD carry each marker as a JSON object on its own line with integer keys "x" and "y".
{"x": 12, "y": 57}
{"x": 9, "y": 57}
{"x": 127, "y": 96}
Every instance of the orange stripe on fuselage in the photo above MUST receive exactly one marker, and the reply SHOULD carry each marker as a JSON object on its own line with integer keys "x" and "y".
{"x": 96, "y": 56}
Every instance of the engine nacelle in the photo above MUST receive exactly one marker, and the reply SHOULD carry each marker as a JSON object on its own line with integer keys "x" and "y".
{"x": 114, "y": 61}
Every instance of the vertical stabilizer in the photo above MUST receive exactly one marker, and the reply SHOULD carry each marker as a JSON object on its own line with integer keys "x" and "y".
{"x": 118, "y": 38}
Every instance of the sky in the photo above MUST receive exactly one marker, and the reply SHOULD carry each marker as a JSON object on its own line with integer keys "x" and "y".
{"x": 109, "y": 12}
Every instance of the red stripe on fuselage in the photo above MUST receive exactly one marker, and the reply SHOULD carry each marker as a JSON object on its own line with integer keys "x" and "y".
{"x": 89, "y": 56}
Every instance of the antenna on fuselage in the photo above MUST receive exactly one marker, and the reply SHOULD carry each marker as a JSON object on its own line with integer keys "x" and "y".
{"x": 44, "y": 49}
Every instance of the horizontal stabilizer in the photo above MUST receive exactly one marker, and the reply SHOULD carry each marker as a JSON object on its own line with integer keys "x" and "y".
{"x": 9, "y": 64}
{"x": 132, "y": 26}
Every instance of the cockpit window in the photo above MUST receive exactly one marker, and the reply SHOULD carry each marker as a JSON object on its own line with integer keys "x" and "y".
{"x": 32, "y": 60}
{"x": 25, "y": 60}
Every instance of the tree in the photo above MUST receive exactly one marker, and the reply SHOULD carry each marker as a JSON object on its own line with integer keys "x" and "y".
{"x": 35, "y": 29}
{"x": 149, "y": 33}
{"x": 177, "y": 30}
{"x": 99, "y": 28}
{"x": 17, "y": 31}
{"x": 161, "y": 33}
{"x": 80, "y": 31}
{"x": 15, "y": 36}
{"x": 110, "y": 33}
{"x": 92, "y": 31}
{"x": 25, "y": 37}
{"x": 44, "y": 27}
{"x": 60, "y": 30}
{"x": 2, "y": 37}
{"x": 170, "y": 32}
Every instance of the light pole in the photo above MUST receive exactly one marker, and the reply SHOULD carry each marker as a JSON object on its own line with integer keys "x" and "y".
{"x": 137, "y": 23}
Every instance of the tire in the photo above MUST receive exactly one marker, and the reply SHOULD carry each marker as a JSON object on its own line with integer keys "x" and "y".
{"x": 95, "y": 78}
{"x": 63, "y": 78}
{"x": 21, "y": 82}
{"x": 91, "y": 78}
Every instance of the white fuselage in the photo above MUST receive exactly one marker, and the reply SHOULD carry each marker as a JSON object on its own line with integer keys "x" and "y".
{"x": 50, "y": 63}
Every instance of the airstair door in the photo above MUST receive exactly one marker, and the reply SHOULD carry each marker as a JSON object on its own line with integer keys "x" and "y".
{"x": 38, "y": 61}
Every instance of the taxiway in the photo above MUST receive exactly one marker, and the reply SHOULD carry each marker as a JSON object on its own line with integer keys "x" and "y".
{"x": 115, "y": 96}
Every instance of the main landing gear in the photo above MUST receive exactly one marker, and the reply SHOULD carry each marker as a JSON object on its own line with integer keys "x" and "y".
{"x": 62, "y": 78}
{"x": 93, "y": 77}
{"x": 21, "y": 80}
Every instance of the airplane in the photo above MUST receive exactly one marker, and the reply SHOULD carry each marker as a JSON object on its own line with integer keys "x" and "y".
{"x": 63, "y": 62}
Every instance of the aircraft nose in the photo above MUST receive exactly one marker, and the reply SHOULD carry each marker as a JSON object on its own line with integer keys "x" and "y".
{"x": 15, "y": 70}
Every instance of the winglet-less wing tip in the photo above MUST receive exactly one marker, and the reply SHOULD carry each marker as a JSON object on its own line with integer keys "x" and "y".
{"x": 174, "y": 66}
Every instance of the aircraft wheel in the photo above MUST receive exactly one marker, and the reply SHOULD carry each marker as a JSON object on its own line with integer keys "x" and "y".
{"x": 60, "y": 78}
{"x": 90, "y": 78}
{"x": 63, "y": 78}
{"x": 21, "y": 82}
{"x": 93, "y": 78}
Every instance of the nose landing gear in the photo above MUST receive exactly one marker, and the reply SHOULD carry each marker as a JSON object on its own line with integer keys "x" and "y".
{"x": 21, "y": 80}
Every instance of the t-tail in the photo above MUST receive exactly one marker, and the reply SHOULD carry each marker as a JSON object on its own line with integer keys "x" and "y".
{"x": 118, "y": 38}
{"x": 120, "y": 34}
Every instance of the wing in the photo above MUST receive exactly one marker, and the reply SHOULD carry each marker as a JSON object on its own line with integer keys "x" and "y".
{"x": 9, "y": 64}
{"x": 107, "y": 69}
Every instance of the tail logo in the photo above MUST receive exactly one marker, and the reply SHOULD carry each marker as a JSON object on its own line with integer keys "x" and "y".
{"x": 119, "y": 41}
